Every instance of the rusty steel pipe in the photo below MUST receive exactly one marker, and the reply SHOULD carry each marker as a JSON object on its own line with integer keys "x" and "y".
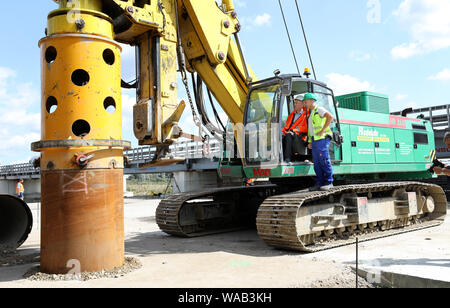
{"x": 82, "y": 220}
{"x": 16, "y": 222}
{"x": 81, "y": 142}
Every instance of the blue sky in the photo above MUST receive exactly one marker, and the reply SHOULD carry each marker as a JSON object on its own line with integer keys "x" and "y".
{"x": 396, "y": 47}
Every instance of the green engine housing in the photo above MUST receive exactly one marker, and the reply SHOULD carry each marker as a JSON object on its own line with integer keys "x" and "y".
{"x": 365, "y": 101}
{"x": 376, "y": 145}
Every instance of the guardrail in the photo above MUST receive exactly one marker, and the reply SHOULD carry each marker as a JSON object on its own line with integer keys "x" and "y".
{"x": 187, "y": 149}
{"x": 439, "y": 116}
{"x": 19, "y": 170}
{"x": 136, "y": 156}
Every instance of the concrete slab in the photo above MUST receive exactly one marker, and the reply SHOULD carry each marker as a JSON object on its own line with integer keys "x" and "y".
{"x": 396, "y": 280}
{"x": 424, "y": 254}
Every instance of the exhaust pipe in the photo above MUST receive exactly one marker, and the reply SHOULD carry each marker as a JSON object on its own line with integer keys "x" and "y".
{"x": 16, "y": 222}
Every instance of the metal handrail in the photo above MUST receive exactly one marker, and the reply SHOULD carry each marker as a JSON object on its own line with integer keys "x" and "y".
{"x": 185, "y": 149}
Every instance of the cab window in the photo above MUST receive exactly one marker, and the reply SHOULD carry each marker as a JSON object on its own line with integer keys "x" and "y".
{"x": 298, "y": 87}
{"x": 324, "y": 98}
{"x": 262, "y": 104}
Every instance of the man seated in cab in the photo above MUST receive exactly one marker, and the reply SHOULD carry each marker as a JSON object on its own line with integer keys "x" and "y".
{"x": 295, "y": 133}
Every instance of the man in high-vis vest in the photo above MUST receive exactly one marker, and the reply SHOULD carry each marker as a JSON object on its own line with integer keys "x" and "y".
{"x": 20, "y": 189}
{"x": 295, "y": 132}
{"x": 445, "y": 170}
{"x": 319, "y": 137}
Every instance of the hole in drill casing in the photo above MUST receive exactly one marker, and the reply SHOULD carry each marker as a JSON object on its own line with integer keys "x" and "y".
{"x": 51, "y": 54}
{"x": 109, "y": 57}
{"x": 110, "y": 105}
{"x": 51, "y": 105}
{"x": 80, "y": 77}
{"x": 81, "y": 128}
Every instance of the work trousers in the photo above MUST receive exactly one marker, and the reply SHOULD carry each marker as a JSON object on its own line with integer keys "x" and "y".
{"x": 293, "y": 144}
{"x": 322, "y": 162}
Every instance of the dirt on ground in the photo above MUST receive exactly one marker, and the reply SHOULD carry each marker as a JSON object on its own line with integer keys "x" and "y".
{"x": 13, "y": 258}
{"x": 237, "y": 259}
{"x": 346, "y": 279}
{"x": 131, "y": 264}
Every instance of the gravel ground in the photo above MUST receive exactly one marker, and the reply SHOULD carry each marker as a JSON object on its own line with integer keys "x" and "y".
{"x": 130, "y": 265}
{"x": 231, "y": 260}
{"x": 13, "y": 258}
{"x": 346, "y": 279}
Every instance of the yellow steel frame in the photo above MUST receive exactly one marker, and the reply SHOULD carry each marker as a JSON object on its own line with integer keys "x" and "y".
{"x": 206, "y": 32}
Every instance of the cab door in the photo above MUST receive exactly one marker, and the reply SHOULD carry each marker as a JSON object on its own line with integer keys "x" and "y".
{"x": 261, "y": 129}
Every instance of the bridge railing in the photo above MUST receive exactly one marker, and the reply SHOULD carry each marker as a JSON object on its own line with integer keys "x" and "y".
{"x": 187, "y": 149}
{"x": 18, "y": 170}
{"x": 439, "y": 116}
{"x": 140, "y": 155}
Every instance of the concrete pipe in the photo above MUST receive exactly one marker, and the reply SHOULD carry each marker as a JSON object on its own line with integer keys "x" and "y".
{"x": 16, "y": 222}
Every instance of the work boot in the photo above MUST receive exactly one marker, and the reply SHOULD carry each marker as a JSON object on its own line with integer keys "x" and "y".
{"x": 314, "y": 188}
{"x": 326, "y": 187}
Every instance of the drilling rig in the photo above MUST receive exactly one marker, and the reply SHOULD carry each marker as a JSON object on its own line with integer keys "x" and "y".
{"x": 82, "y": 147}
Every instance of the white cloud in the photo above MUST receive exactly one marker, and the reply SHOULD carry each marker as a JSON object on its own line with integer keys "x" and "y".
{"x": 19, "y": 122}
{"x": 441, "y": 76}
{"x": 16, "y": 103}
{"x": 401, "y": 97}
{"x": 240, "y": 3}
{"x": 360, "y": 56}
{"x": 21, "y": 118}
{"x": 12, "y": 144}
{"x": 256, "y": 21}
{"x": 345, "y": 84}
{"x": 402, "y": 101}
{"x": 5, "y": 74}
{"x": 427, "y": 22}
{"x": 262, "y": 20}
{"x": 406, "y": 51}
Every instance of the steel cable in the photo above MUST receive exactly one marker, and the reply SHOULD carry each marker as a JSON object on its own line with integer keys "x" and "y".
{"x": 289, "y": 36}
{"x": 306, "y": 41}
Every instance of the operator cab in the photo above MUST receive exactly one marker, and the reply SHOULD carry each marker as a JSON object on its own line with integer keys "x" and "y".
{"x": 269, "y": 104}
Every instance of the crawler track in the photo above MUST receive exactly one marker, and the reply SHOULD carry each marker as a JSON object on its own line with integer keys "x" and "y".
{"x": 279, "y": 218}
{"x": 172, "y": 218}
{"x": 286, "y": 221}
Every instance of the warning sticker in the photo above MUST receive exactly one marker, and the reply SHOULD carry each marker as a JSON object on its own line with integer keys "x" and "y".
{"x": 374, "y": 139}
{"x": 288, "y": 170}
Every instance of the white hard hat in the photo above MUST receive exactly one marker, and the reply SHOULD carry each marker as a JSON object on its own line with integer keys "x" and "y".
{"x": 299, "y": 97}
